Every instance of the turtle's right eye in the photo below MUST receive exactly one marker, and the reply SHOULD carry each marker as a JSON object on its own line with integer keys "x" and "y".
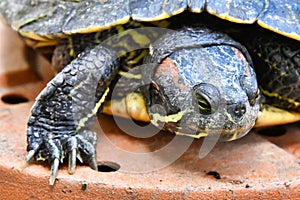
{"x": 157, "y": 97}
{"x": 206, "y": 98}
{"x": 155, "y": 94}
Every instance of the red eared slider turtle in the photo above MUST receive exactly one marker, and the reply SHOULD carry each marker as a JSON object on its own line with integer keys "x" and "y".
{"x": 196, "y": 81}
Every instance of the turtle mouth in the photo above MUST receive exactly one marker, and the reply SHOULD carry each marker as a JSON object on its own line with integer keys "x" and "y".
{"x": 221, "y": 125}
{"x": 222, "y": 134}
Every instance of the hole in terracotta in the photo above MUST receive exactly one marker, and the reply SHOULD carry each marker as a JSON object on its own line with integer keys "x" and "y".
{"x": 13, "y": 99}
{"x": 214, "y": 174}
{"x": 107, "y": 166}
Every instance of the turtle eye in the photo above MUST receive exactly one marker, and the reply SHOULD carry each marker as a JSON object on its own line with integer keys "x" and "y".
{"x": 249, "y": 85}
{"x": 155, "y": 86}
{"x": 158, "y": 97}
{"x": 203, "y": 104}
{"x": 155, "y": 93}
{"x": 255, "y": 99}
{"x": 206, "y": 98}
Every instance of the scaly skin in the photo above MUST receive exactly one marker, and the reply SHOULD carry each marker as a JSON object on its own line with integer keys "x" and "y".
{"x": 64, "y": 110}
{"x": 277, "y": 61}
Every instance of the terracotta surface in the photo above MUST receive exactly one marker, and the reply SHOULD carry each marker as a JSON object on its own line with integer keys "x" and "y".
{"x": 253, "y": 167}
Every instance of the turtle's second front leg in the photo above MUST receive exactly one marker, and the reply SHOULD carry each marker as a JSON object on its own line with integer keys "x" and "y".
{"x": 63, "y": 112}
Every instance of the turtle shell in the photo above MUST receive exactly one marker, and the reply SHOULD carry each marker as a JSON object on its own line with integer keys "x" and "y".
{"x": 53, "y": 19}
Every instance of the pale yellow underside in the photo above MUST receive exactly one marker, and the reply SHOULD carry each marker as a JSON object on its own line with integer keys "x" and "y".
{"x": 272, "y": 116}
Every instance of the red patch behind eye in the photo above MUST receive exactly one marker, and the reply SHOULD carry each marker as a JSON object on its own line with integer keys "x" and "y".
{"x": 168, "y": 68}
{"x": 240, "y": 55}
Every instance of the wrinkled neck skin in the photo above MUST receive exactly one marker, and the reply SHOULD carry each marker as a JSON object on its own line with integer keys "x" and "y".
{"x": 204, "y": 90}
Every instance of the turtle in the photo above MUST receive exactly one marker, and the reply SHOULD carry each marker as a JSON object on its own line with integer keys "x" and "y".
{"x": 172, "y": 63}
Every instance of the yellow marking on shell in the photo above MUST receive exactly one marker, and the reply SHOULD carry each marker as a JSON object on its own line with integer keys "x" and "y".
{"x": 272, "y": 116}
{"x": 292, "y": 35}
{"x": 163, "y": 15}
{"x": 95, "y": 28}
{"x": 200, "y": 10}
{"x": 264, "y": 25}
{"x": 34, "y": 36}
{"x": 226, "y": 16}
{"x": 178, "y": 11}
{"x": 169, "y": 118}
{"x": 38, "y": 44}
{"x": 130, "y": 75}
{"x": 82, "y": 122}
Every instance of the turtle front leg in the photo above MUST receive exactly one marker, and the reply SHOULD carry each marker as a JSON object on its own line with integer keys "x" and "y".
{"x": 60, "y": 119}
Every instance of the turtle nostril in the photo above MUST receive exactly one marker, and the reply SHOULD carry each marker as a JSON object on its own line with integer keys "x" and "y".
{"x": 240, "y": 110}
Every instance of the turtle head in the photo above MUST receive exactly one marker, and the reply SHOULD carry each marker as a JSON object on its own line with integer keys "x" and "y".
{"x": 204, "y": 90}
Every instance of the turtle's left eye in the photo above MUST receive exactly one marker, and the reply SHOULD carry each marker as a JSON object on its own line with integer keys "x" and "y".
{"x": 249, "y": 85}
{"x": 255, "y": 99}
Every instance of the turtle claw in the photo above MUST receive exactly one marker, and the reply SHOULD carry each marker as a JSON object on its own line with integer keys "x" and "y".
{"x": 55, "y": 149}
{"x": 72, "y": 161}
{"x": 29, "y": 155}
{"x": 54, "y": 170}
{"x": 93, "y": 164}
